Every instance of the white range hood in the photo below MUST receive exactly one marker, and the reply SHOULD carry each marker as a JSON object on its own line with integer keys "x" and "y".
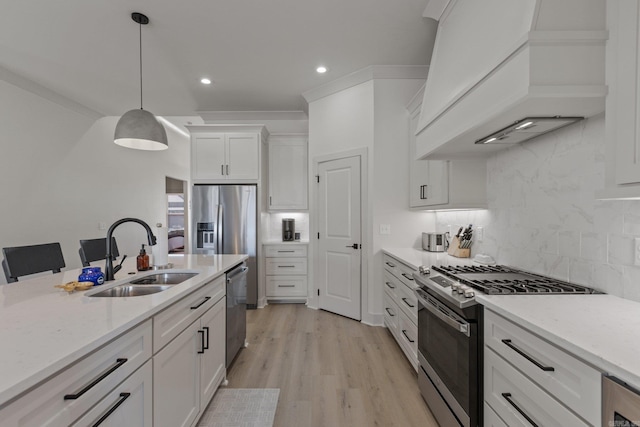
{"x": 499, "y": 64}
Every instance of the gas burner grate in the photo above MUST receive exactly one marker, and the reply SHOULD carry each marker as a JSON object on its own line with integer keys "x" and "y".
{"x": 502, "y": 280}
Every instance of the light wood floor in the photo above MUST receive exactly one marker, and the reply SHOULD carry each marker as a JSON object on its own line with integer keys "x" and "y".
{"x": 331, "y": 371}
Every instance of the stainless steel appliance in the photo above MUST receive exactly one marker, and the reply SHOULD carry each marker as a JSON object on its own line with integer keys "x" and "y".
{"x": 450, "y": 332}
{"x": 435, "y": 242}
{"x": 288, "y": 229}
{"x": 620, "y": 403}
{"x": 224, "y": 220}
{"x": 236, "y": 328}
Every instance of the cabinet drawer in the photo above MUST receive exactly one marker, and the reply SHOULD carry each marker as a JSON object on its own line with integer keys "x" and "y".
{"x": 391, "y": 284}
{"x": 405, "y": 274}
{"x": 286, "y": 266}
{"x": 511, "y": 395}
{"x": 129, "y": 404}
{"x": 287, "y": 286}
{"x": 284, "y": 251}
{"x": 46, "y": 405}
{"x": 571, "y": 381}
{"x": 491, "y": 419}
{"x": 408, "y": 302}
{"x": 391, "y": 314}
{"x": 390, "y": 264}
{"x": 169, "y": 323}
{"x": 408, "y": 333}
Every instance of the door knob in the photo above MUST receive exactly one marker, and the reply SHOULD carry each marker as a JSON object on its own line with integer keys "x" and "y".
{"x": 354, "y": 246}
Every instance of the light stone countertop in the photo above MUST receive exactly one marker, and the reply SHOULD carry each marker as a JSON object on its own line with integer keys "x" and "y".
{"x": 282, "y": 242}
{"x": 43, "y": 329}
{"x": 601, "y": 330}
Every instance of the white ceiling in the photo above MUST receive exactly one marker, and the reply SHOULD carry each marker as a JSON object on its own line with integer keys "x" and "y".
{"x": 261, "y": 54}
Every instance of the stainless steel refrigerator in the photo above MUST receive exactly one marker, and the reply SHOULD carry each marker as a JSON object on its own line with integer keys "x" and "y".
{"x": 224, "y": 221}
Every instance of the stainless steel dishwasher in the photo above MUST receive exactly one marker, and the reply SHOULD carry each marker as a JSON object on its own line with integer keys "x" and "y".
{"x": 236, "y": 310}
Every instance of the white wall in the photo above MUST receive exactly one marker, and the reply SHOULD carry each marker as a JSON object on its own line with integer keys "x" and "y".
{"x": 62, "y": 175}
{"x": 543, "y": 215}
{"x": 371, "y": 115}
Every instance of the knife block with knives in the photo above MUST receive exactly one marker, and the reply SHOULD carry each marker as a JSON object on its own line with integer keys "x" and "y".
{"x": 460, "y": 246}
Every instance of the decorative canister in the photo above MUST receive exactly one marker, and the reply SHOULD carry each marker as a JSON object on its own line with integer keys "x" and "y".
{"x": 92, "y": 274}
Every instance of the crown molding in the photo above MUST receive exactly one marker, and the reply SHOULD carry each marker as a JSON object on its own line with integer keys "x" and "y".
{"x": 210, "y": 116}
{"x": 43, "y": 92}
{"x": 364, "y": 75}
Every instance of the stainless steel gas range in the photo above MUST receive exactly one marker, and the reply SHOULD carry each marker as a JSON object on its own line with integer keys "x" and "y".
{"x": 450, "y": 332}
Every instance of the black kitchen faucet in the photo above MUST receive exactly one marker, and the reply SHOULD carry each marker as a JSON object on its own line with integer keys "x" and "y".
{"x": 109, "y": 270}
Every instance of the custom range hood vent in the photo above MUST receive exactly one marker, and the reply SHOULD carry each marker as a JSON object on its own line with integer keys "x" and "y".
{"x": 498, "y": 64}
{"x": 527, "y": 128}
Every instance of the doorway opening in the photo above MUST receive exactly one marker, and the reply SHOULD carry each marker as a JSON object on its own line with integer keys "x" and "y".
{"x": 176, "y": 220}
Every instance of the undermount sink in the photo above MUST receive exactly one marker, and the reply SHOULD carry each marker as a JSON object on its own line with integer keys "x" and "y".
{"x": 146, "y": 285}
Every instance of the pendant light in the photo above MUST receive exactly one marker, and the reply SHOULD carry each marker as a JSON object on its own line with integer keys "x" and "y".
{"x": 139, "y": 129}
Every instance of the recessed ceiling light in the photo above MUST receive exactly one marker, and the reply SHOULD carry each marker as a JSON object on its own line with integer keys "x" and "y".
{"x": 205, "y": 81}
{"x": 321, "y": 69}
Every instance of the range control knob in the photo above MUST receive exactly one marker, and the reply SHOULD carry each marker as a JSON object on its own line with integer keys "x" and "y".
{"x": 455, "y": 286}
{"x": 469, "y": 293}
{"x": 463, "y": 288}
{"x": 423, "y": 270}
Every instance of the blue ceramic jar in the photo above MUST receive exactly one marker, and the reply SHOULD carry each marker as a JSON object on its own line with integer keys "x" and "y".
{"x": 92, "y": 274}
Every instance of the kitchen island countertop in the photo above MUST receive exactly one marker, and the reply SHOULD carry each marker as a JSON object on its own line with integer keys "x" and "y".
{"x": 43, "y": 329}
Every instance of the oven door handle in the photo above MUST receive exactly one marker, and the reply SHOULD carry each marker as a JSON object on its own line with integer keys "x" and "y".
{"x": 463, "y": 328}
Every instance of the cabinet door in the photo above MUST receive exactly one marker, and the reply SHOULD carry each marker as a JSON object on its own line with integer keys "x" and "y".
{"x": 208, "y": 157}
{"x": 212, "y": 370}
{"x": 176, "y": 380}
{"x": 288, "y": 175}
{"x": 130, "y": 404}
{"x": 242, "y": 156}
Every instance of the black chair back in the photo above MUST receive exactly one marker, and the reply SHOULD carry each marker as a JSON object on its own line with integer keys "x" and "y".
{"x": 24, "y": 260}
{"x": 95, "y": 250}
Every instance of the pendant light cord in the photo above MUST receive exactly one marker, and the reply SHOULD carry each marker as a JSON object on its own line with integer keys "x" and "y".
{"x": 140, "y": 25}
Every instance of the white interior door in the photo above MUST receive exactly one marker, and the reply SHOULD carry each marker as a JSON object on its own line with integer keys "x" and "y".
{"x": 339, "y": 253}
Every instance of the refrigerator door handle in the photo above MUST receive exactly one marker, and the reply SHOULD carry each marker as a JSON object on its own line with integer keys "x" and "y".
{"x": 219, "y": 230}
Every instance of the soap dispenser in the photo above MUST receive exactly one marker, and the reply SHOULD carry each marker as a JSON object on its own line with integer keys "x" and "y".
{"x": 142, "y": 261}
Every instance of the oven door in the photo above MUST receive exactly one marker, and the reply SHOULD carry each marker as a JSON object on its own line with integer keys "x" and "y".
{"x": 448, "y": 345}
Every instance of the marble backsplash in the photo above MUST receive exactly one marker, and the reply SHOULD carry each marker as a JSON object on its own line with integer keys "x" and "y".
{"x": 543, "y": 215}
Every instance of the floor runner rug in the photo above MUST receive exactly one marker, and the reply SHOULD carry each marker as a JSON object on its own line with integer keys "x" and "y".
{"x": 241, "y": 407}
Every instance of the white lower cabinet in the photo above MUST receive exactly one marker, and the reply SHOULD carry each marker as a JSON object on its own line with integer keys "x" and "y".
{"x": 129, "y": 404}
{"x": 401, "y": 306}
{"x": 189, "y": 369}
{"x": 527, "y": 380}
{"x": 71, "y": 393}
{"x": 286, "y": 272}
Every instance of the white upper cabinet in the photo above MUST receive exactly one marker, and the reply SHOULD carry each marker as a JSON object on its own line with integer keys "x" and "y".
{"x": 442, "y": 184}
{"x": 288, "y": 172}
{"x": 226, "y": 152}
{"x": 496, "y": 62}
{"x": 622, "y": 120}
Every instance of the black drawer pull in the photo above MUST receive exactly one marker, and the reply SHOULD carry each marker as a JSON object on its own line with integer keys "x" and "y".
{"x": 404, "y": 332}
{"x": 389, "y": 285}
{"x": 286, "y": 286}
{"x": 390, "y": 312}
{"x": 200, "y": 305}
{"x": 405, "y": 301}
{"x": 201, "y": 332}
{"x": 509, "y": 344}
{"x": 123, "y": 397}
{"x": 507, "y": 397}
{"x": 390, "y": 265}
{"x": 105, "y": 374}
{"x": 407, "y": 277}
{"x": 206, "y": 347}
{"x": 286, "y": 266}
{"x": 282, "y": 252}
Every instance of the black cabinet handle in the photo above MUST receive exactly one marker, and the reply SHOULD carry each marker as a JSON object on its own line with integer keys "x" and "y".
{"x": 389, "y": 285}
{"x": 423, "y": 192}
{"x": 123, "y": 397}
{"x": 512, "y": 346}
{"x": 286, "y": 266}
{"x": 390, "y": 265}
{"x": 407, "y": 277}
{"x": 404, "y": 332}
{"x": 201, "y": 332}
{"x": 200, "y": 305}
{"x": 405, "y": 301}
{"x": 507, "y": 397}
{"x": 390, "y": 312}
{"x": 206, "y": 347}
{"x": 282, "y": 252}
{"x": 105, "y": 374}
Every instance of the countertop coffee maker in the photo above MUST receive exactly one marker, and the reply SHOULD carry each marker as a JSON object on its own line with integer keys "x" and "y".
{"x": 288, "y": 229}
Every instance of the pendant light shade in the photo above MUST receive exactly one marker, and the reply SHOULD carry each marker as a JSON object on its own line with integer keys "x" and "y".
{"x": 139, "y": 129}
